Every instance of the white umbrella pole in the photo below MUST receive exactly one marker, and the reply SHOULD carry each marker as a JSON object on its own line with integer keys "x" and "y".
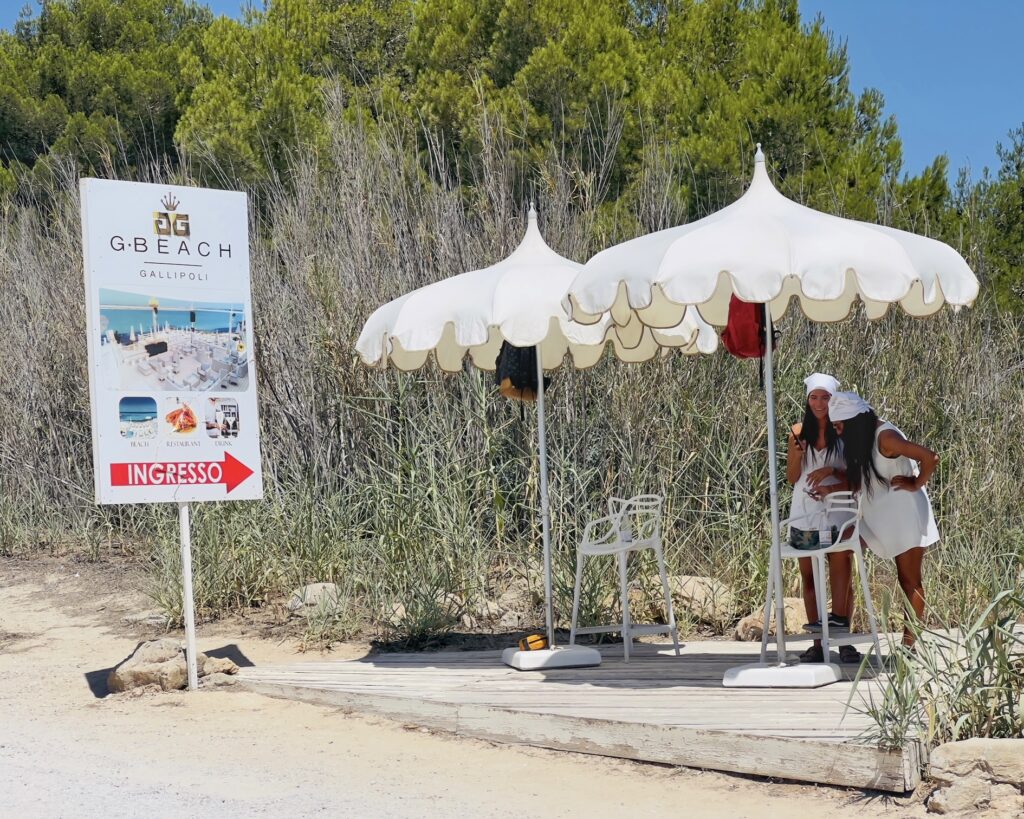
{"x": 545, "y": 510}
{"x": 775, "y": 564}
{"x": 552, "y": 657}
{"x": 780, "y": 675}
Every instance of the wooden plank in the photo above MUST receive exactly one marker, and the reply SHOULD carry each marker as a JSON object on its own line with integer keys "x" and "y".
{"x": 657, "y": 708}
{"x": 440, "y": 715}
{"x": 776, "y": 756}
{"x": 829, "y": 763}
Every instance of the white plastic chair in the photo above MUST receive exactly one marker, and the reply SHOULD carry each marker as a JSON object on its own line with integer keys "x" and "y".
{"x": 848, "y": 505}
{"x": 630, "y": 526}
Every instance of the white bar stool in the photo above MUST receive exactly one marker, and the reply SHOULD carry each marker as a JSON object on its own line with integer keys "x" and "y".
{"x": 631, "y": 526}
{"x": 849, "y": 541}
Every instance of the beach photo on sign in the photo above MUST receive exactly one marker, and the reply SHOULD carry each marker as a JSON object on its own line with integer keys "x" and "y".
{"x": 138, "y": 418}
{"x": 221, "y": 417}
{"x": 150, "y": 343}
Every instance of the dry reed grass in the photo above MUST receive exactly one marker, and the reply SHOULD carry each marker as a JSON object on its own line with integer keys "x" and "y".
{"x": 413, "y": 488}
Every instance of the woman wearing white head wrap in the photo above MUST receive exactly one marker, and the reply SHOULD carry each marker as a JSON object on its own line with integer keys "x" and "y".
{"x": 815, "y": 466}
{"x": 889, "y": 473}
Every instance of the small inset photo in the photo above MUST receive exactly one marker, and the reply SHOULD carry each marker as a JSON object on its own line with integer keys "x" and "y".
{"x": 180, "y": 418}
{"x": 138, "y": 418}
{"x": 221, "y": 416}
{"x": 172, "y": 345}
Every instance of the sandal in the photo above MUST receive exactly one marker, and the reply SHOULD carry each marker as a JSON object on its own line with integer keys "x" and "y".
{"x": 849, "y": 654}
{"x": 813, "y": 655}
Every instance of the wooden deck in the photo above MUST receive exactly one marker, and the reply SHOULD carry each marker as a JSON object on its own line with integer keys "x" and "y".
{"x": 656, "y": 708}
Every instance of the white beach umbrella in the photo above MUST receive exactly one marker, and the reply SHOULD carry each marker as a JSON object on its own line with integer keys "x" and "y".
{"x": 768, "y": 249}
{"x": 765, "y": 248}
{"x": 518, "y": 300}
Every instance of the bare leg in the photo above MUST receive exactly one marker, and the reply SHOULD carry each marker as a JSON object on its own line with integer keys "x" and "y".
{"x": 810, "y": 598}
{"x": 840, "y": 573}
{"x": 908, "y": 569}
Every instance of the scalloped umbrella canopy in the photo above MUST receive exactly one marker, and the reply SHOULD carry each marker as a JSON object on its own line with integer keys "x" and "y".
{"x": 519, "y": 300}
{"x": 768, "y": 249}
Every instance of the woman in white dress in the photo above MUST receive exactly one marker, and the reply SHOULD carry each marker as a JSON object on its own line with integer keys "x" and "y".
{"x": 815, "y": 466}
{"x": 889, "y": 472}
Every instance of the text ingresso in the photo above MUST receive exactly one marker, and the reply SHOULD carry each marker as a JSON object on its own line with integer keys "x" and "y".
{"x": 176, "y": 474}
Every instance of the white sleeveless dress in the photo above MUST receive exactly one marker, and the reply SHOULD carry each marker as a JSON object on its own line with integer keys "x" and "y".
{"x": 896, "y": 520}
{"x": 807, "y": 512}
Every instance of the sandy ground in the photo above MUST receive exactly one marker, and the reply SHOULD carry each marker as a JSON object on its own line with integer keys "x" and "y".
{"x": 66, "y": 752}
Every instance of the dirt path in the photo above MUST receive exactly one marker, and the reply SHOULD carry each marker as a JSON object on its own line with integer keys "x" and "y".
{"x": 65, "y": 752}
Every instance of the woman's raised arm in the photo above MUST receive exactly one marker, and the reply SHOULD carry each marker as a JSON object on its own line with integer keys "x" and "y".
{"x": 794, "y": 455}
{"x": 891, "y": 444}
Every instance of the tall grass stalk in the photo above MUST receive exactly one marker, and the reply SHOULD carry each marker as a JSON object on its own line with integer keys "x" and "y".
{"x": 965, "y": 680}
{"x": 417, "y": 489}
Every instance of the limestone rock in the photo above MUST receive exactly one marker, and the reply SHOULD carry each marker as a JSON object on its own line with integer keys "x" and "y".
{"x": 645, "y": 607}
{"x": 487, "y": 610}
{"x": 217, "y": 680}
{"x": 143, "y": 691}
{"x": 1001, "y": 760}
{"x": 708, "y": 600}
{"x": 1006, "y": 800}
{"x": 511, "y": 619}
{"x": 217, "y": 665}
{"x": 397, "y": 616}
{"x": 751, "y": 627}
{"x": 313, "y": 595}
{"x": 157, "y": 662}
{"x": 969, "y": 793}
{"x": 978, "y": 773}
{"x": 450, "y": 603}
{"x": 516, "y": 599}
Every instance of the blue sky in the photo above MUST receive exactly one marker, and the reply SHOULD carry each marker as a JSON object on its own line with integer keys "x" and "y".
{"x": 951, "y": 70}
{"x": 120, "y": 298}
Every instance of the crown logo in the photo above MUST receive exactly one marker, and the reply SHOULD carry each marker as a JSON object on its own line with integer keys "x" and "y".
{"x": 170, "y": 202}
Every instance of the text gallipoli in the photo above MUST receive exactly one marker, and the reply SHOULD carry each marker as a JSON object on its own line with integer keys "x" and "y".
{"x": 168, "y": 247}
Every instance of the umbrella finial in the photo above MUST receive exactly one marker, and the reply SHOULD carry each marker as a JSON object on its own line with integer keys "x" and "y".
{"x": 533, "y": 212}
{"x": 760, "y": 179}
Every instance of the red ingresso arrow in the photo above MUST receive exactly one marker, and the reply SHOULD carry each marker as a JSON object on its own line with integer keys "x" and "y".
{"x": 230, "y": 472}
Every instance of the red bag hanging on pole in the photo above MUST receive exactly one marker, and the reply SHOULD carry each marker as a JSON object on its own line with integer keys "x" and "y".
{"x": 745, "y": 332}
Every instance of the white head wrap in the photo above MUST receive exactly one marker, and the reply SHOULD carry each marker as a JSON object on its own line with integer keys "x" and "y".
{"x": 843, "y": 406}
{"x": 821, "y": 381}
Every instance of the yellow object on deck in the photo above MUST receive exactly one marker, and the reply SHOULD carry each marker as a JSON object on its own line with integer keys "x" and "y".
{"x": 535, "y": 642}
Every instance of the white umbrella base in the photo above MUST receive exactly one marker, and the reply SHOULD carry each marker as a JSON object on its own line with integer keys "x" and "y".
{"x": 558, "y": 657}
{"x": 801, "y": 675}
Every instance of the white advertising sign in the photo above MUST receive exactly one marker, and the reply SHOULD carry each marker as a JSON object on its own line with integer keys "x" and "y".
{"x": 172, "y": 377}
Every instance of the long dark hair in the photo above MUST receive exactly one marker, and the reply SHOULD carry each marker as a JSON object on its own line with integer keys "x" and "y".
{"x": 809, "y": 433}
{"x": 859, "y": 449}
